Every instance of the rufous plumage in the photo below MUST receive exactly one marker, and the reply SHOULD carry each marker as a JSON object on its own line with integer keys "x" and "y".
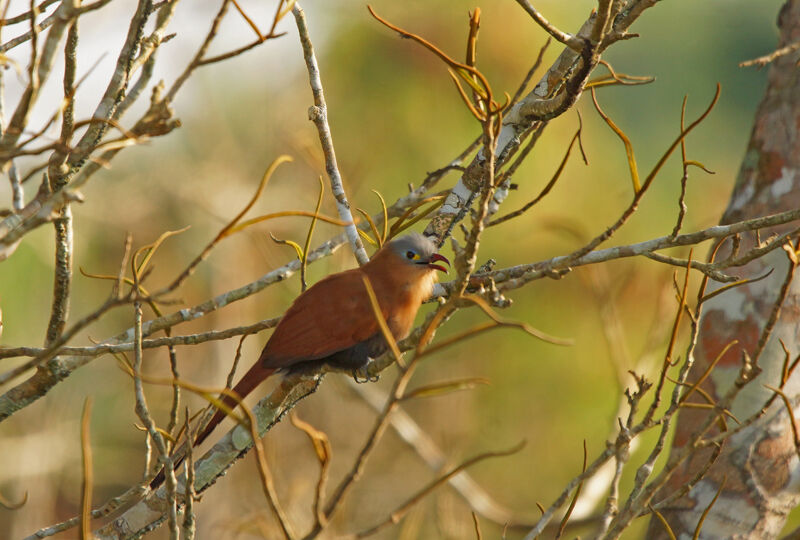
{"x": 333, "y": 322}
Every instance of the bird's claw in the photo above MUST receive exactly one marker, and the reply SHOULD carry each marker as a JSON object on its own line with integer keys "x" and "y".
{"x": 362, "y": 375}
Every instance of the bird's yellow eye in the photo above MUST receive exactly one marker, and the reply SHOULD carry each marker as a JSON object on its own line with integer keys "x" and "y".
{"x": 411, "y": 255}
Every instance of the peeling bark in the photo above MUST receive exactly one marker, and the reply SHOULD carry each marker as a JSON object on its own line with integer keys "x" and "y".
{"x": 758, "y": 466}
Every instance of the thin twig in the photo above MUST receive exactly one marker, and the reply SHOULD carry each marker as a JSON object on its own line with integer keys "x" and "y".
{"x": 62, "y": 278}
{"x": 51, "y": 351}
{"x": 86, "y": 482}
{"x": 516, "y": 276}
{"x": 107, "y": 348}
{"x": 545, "y": 190}
{"x": 381, "y": 423}
{"x": 531, "y": 72}
{"x": 31, "y": 34}
{"x": 227, "y": 230}
{"x": 149, "y": 513}
{"x": 684, "y": 177}
{"x": 762, "y": 61}
{"x": 189, "y": 521}
{"x": 322, "y": 448}
{"x": 319, "y": 115}
{"x": 398, "y": 513}
{"x": 413, "y": 435}
{"x": 26, "y": 15}
{"x": 267, "y": 482}
{"x": 114, "y": 91}
{"x": 144, "y": 415}
{"x": 40, "y": 383}
{"x": 562, "y": 37}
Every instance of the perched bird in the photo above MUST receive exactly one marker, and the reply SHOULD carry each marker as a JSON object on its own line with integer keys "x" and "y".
{"x": 333, "y": 321}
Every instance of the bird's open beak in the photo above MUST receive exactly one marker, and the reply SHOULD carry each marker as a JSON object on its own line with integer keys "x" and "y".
{"x": 436, "y": 257}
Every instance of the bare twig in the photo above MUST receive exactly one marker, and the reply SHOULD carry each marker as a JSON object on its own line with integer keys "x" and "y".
{"x": 147, "y": 514}
{"x": 31, "y": 34}
{"x": 477, "y": 524}
{"x": 40, "y": 383}
{"x": 115, "y": 299}
{"x": 188, "y": 505}
{"x": 38, "y": 71}
{"x": 108, "y": 348}
{"x": 267, "y": 482}
{"x": 114, "y": 91}
{"x": 398, "y": 513}
{"x": 562, "y": 37}
{"x": 86, "y": 482}
{"x": 545, "y": 190}
{"x": 147, "y": 57}
{"x": 626, "y": 142}
{"x": 22, "y": 17}
{"x": 789, "y": 410}
{"x": 531, "y": 72}
{"x": 319, "y": 115}
{"x": 322, "y": 448}
{"x": 62, "y": 278}
{"x": 708, "y": 509}
{"x": 280, "y": 12}
{"x": 684, "y": 178}
{"x": 516, "y": 276}
{"x": 63, "y": 224}
{"x": 144, "y": 415}
{"x": 17, "y": 191}
{"x": 413, "y": 435}
{"x": 777, "y": 305}
{"x": 227, "y": 230}
{"x": 555, "y": 93}
{"x": 762, "y": 61}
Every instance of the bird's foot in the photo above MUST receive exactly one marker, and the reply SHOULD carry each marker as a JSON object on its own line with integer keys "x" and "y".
{"x": 362, "y": 375}
{"x": 357, "y": 374}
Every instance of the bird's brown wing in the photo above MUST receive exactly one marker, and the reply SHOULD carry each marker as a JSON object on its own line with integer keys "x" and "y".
{"x": 333, "y": 315}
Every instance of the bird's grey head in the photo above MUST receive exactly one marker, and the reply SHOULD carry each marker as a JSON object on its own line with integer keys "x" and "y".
{"x": 417, "y": 249}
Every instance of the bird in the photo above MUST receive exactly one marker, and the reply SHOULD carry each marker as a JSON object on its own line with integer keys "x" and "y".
{"x": 333, "y": 321}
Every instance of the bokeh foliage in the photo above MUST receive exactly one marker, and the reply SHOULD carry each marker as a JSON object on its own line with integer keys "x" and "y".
{"x": 394, "y": 116}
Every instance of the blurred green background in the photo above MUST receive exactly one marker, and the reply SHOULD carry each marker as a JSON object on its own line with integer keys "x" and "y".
{"x": 394, "y": 116}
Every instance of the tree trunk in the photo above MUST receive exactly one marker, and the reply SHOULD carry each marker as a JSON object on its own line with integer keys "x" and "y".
{"x": 757, "y": 470}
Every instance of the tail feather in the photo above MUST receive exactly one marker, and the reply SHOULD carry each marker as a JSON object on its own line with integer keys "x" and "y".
{"x": 255, "y": 376}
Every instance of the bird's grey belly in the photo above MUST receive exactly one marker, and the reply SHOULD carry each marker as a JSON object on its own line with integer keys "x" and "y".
{"x": 358, "y": 356}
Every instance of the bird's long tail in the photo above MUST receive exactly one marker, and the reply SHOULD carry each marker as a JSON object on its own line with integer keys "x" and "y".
{"x": 254, "y": 376}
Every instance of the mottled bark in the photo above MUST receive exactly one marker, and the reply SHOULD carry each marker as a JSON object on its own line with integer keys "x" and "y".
{"x": 759, "y": 465}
